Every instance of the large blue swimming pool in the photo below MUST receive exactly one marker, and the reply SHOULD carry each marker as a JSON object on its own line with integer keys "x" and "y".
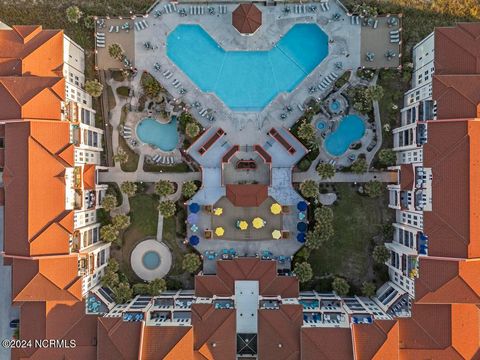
{"x": 247, "y": 80}
{"x": 163, "y": 136}
{"x": 350, "y": 129}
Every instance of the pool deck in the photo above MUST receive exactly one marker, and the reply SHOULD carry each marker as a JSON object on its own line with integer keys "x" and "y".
{"x": 242, "y": 127}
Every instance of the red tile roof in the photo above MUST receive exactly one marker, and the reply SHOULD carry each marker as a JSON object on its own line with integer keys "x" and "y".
{"x": 456, "y": 96}
{"x": 326, "y": 344}
{"x": 377, "y": 341}
{"x": 453, "y": 225}
{"x": 118, "y": 339}
{"x": 251, "y": 195}
{"x": 246, "y": 18}
{"x": 407, "y": 177}
{"x": 36, "y": 155}
{"x": 167, "y": 343}
{"x": 279, "y": 332}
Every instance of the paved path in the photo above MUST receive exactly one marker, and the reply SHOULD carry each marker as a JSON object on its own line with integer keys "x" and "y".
{"x": 383, "y": 176}
{"x": 119, "y": 176}
{"x": 160, "y": 227}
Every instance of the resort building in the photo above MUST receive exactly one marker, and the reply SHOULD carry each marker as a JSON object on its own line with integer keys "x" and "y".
{"x": 50, "y": 162}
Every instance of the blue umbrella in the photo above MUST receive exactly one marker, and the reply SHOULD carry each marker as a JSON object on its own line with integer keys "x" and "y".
{"x": 302, "y": 206}
{"x": 301, "y": 237}
{"x": 192, "y": 218}
{"x": 194, "y": 207}
{"x": 302, "y": 227}
{"x": 194, "y": 240}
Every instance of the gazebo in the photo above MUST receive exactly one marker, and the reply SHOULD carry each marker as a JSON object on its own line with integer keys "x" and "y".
{"x": 247, "y": 18}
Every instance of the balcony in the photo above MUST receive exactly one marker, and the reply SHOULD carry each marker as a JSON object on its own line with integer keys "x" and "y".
{"x": 420, "y": 179}
{"x": 420, "y": 201}
{"x": 309, "y": 304}
{"x": 422, "y": 134}
{"x": 422, "y": 243}
{"x": 405, "y": 199}
{"x": 269, "y": 304}
{"x": 223, "y": 304}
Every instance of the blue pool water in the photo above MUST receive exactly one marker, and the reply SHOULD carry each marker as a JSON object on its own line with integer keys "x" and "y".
{"x": 151, "y": 260}
{"x": 350, "y": 129}
{"x": 163, "y": 136}
{"x": 247, "y": 80}
{"x": 334, "y": 105}
{"x": 321, "y": 125}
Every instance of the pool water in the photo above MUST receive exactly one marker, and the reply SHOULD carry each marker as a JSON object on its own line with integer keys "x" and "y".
{"x": 321, "y": 125}
{"x": 151, "y": 260}
{"x": 334, "y": 105}
{"x": 163, "y": 136}
{"x": 350, "y": 129}
{"x": 247, "y": 80}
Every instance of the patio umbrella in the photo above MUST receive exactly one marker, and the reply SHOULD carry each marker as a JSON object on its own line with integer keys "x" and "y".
{"x": 192, "y": 218}
{"x": 219, "y": 231}
{"x": 194, "y": 207}
{"x": 301, "y": 237}
{"x": 218, "y": 211}
{"x": 258, "y": 223}
{"x": 302, "y": 206}
{"x": 302, "y": 227}
{"x": 276, "y": 209}
{"x": 194, "y": 228}
{"x": 243, "y": 225}
{"x": 276, "y": 234}
{"x": 194, "y": 240}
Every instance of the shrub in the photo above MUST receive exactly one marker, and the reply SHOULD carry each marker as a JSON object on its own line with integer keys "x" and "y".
{"x": 123, "y": 91}
{"x": 115, "y": 51}
{"x": 374, "y": 188}
{"x": 306, "y": 132}
{"x": 359, "y": 166}
{"x": 191, "y": 262}
{"x": 192, "y": 130}
{"x": 109, "y": 202}
{"x": 368, "y": 289}
{"x": 303, "y": 271}
{"x": 340, "y": 286}
{"x": 387, "y": 157}
{"x": 73, "y": 14}
{"x": 122, "y": 292}
{"x": 381, "y": 254}
{"x": 121, "y": 156}
{"x": 151, "y": 87}
{"x": 89, "y": 22}
{"x": 121, "y": 221}
{"x": 309, "y": 189}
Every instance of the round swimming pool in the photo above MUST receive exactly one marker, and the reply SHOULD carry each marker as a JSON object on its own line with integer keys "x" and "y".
{"x": 334, "y": 105}
{"x": 163, "y": 136}
{"x": 350, "y": 129}
{"x": 321, "y": 125}
{"x": 151, "y": 260}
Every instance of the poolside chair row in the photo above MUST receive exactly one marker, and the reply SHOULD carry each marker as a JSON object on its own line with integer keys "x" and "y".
{"x": 141, "y": 25}
{"x": 176, "y": 84}
{"x": 114, "y": 28}
{"x": 327, "y": 81}
{"x": 197, "y": 10}
{"x": 300, "y": 9}
{"x": 222, "y": 9}
{"x": 395, "y": 36}
{"x": 325, "y": 6}
{"x": 168, "y": 74}
{"x": 355, "y": 20}
{"x": 170, "y": 7}
{"x": 100, "y": 39}
{"x": 166, "y": 160}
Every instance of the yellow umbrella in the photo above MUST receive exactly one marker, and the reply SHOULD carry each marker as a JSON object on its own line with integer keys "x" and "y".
{"x": 243, "y": 225}
{"x": 276, "y": 234}
{"x": 258, "y": 223}
{"x": 219, "y": 231}
{"x": 276, "y": 209}
{"x": 218, "y": 211}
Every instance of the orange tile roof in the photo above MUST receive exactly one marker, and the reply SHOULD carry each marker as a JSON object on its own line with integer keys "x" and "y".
{"x": 30, "y": 50}
{"x": 167, "y": 343}
{"x": 377, "y": 341}
{"x": 326, "y": 344}
{"x": 407, "y": 177}
{"x": 46, "y": 279}
{"x": 448, "y": 281}
{"x": 36, "y": 155}
{"x": 453, "y": 225}
{"x": 89, "y": 177}
{"x": 118, "y": 339}
{"x": 456, "y": 96}
{"x": 58, "y": 320}
{"x": 214, "y": 331}
{"x": 279, "y": 332}
{"x": 247, "y": 195}
{"x": 31, "y": 97}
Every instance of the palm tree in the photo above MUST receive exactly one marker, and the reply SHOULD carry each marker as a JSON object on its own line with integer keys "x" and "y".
{"x": 115, "y": 51}
{"x": 309, "y": 189}
{"x": 89, "y": 22}
{"x": 192, "y": 130}
{"x": 191, "y": 262}
{"x": 129, "y": 188}
{"x": 368, "y": 289}
{"x": 167, "y": 208}
{"x": 314, "y": 240}
{"x": 151, "y": 87}
{"x": 381, "y": 254}
{"x": 110, "y": 279}
{"x": 306, "y": 132}
{"x": 375, "y": 92}
{"x": 326, "y": 171}
{"x": 164, "y": 188}
{"x": 121, "y": 221}
{"x": 387, "y": 157}
{"x": 323, "y": 214}
{"x": 73, "y": 14}
{"x": 303, "y": 271}
{"x": 109, "y": 202}
{"x": 121, "y": 156}
{"x": 113, "y": 265}
{"x": 94, "y": 87}
{"x": 359, "y": 166}
{"x": 340, "y": 286}
{"x": 109, "y": 233}
{"x": 122, "y": 293}
{"x": 189, "y": 188}
{"x": 374, "y": 188}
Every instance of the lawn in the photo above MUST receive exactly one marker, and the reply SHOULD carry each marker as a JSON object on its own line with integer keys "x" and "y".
{"x": 170, "y": 238}
{"x": 357, "y": 219}
{"x": 132, "y": 162}
{"x": 144, "y": 214}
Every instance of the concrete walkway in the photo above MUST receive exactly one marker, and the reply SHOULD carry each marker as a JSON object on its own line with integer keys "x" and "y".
{"x": 119, "y": 176}
{"x": 349, "y": 177}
